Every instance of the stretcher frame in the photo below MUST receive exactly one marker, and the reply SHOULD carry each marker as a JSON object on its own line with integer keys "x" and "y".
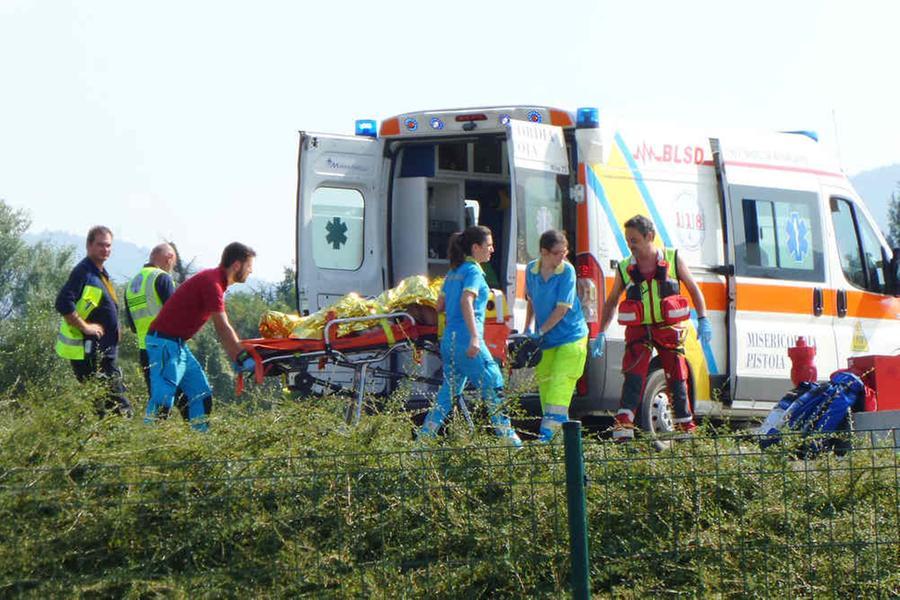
{"x": 358, "y": 351}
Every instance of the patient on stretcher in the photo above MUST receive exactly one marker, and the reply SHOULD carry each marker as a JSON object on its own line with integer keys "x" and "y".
{"x": 416, "y": 296}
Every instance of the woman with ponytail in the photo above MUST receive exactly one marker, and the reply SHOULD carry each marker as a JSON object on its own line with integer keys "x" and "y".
{"x": 464, "y": 298}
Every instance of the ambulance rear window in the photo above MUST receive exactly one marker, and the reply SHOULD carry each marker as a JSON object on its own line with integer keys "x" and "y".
{"x": 337, "y": 228}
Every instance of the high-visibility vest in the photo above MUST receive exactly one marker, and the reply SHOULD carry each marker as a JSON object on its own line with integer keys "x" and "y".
{"x": 70, "y": 340}
{"x": 650, "y": 293}
{"x": 143, "y": 302}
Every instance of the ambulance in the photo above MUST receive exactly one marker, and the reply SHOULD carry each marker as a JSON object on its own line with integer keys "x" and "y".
{"x": 779, "y": 242}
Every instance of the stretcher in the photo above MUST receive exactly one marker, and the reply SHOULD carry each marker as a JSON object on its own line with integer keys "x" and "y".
{"x": 363, "y": 351}
{"x": 360, "y": 351}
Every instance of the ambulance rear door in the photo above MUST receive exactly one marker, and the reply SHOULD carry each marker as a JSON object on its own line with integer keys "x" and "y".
{"x": 341, "y": 215}
{"x": 539, "y": 169}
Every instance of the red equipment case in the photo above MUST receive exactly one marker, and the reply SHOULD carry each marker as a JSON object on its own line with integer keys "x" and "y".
{"x": 882, "y": 374}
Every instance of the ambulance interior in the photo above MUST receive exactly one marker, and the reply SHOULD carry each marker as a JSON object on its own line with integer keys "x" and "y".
{"x": 443, "y": 185}
{"x": 440, "y": 187}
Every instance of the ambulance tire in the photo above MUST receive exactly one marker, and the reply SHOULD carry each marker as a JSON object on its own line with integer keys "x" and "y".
{"x": 657, "y": 416}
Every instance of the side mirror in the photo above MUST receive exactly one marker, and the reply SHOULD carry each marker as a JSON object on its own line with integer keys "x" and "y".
{"x": 894, "y": 272}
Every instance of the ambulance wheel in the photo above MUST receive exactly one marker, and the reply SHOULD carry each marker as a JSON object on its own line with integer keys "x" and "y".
{"x": 656, "y": 410}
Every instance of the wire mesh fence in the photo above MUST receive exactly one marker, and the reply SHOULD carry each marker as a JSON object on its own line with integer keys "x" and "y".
{"x": 720, "y": 516}
{"x": 711, "y": 516}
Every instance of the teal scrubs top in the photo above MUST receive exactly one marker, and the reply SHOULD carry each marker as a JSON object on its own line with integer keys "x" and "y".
{"x": 545, "y": 296}
{"x": 468, "y": 276}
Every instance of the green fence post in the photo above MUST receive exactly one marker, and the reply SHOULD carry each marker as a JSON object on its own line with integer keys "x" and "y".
{"x": 578, "y": 539}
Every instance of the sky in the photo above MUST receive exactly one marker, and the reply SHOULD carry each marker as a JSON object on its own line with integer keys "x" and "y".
{"x": 178, "y": 120}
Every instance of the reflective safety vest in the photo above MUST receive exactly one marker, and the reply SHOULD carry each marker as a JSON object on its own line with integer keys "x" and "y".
{"x": 650, "y": 293}
{"x": 70, "y": 340}
{"x": 143, "y": 302}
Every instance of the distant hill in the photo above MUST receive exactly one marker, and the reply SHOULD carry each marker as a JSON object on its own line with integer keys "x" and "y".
{"x": 876, "y": 187}
{"x": 126, "y": 259}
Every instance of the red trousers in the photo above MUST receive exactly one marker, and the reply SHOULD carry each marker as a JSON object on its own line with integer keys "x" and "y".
{"x": 640, "y": 340}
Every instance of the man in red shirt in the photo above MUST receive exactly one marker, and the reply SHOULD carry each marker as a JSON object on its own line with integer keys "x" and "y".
{"x": 172, "y": 365}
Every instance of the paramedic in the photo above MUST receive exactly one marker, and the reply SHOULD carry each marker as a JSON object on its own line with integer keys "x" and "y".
{"x": 172, "y": 364}
{"x": 651, "y": 279}
{"x": 560, "y": 329}
{"x": 144, "y": 296}
{"x": 89, "y": 333}
{"x": 464, "y": 297}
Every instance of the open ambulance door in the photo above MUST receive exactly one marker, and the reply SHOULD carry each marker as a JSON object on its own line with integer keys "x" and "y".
{"x": 776, "y": 279}
{"x": 341, "y": 216}
{"x": 539, "y": 170}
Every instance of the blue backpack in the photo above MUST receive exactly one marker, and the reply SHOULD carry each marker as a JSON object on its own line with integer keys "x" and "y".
{"x": 814, "y": 408}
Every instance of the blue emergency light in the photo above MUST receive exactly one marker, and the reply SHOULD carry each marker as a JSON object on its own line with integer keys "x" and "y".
{"x": 366, "y": 127}
{"x": 588, "y": 117}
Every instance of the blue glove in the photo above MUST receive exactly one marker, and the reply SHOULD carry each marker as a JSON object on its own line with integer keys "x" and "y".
{"x": 243, "y": 363}
{"x": 534, "y": 335}
{"x": 598, "y": 344}
{"x": 704, "y": 330}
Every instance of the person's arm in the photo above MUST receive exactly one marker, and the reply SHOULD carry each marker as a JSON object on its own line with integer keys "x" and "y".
{"x": 164, "y": 287}
{"x": 129, "y": 320}
{"x": 227, "y": 335}
{"x": 466, "y": 303}
{"x": 91, "y": 330}
{"x": 441, "y": 303}
{"x": 529, "y": 312}
{"x": 612, "y": 302}
{"x": 565, "y": 300}
{"x": 687, "y": 278}
{"x": 555, "y": 317}
{"x": 65, "y": 305}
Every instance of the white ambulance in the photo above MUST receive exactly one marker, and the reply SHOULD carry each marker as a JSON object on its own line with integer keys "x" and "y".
{"x": 772, "y": 230}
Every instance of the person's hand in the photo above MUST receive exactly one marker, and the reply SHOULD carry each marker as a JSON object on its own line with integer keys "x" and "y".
{"x": 92, "y": 330}
{"x": 474, "y": 348}
{"x": 704, "y": 330}
{"x": 598, "y": 345}
{"x": 243, "y": 363}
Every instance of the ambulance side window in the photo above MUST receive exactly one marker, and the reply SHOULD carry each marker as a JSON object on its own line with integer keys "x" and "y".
{"x": 337, "y": 228}
{"x": 861, "y": 255}
{"x": 777, "y": 234}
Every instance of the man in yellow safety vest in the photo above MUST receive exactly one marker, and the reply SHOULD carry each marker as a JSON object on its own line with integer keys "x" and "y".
{"x": 89, "y": 333}
{"x": 144, "y": 297}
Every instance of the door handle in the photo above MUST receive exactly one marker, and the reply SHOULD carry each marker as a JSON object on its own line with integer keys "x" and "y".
{"x": 842, "y": 303}
{"x": 818, "y": 302}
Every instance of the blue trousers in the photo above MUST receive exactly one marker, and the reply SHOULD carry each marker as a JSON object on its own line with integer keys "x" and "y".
{"x": 458, "y": 370}
{"x": 173, "y": 366}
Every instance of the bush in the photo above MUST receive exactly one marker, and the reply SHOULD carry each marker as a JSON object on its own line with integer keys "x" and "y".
{"x": 281, "y": 498}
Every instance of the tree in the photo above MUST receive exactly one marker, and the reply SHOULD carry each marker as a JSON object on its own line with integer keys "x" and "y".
{"x": 30, "y": 277}
{"x": 894, "y": 219}
{"x": 26, "y": 272}
{"x": 281, "y": 296}
{"x": 13, "y": 225}
{"x": 182, "y": 270}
